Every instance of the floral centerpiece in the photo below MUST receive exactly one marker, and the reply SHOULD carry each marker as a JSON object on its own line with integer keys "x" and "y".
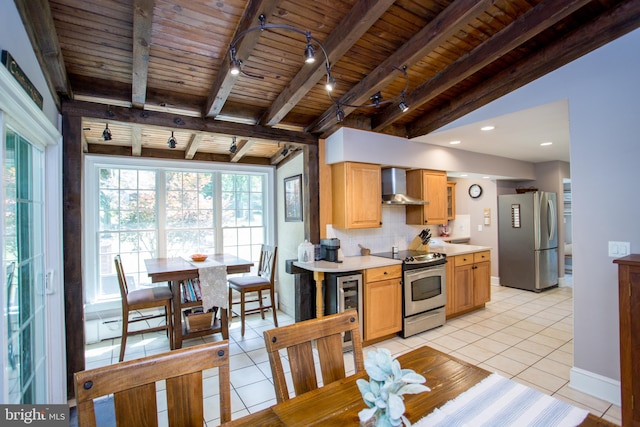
{"x": 383, "y": 392}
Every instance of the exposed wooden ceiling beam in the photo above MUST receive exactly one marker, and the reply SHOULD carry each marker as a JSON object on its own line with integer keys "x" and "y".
{"x": 176, "y": 121}
{"x": 38, "y": 22}
{"x": 613, "y": 23}
{"x": 142, "y": 20}
{"x": 436, "y": 32}
{"x": 243, "y": 148}
{"x": 519, "y": 31}
{"x": 193, "y": 145}
{"x": 224, "y": 79}
{"x": 356, "y": 23}
{"x": 136, "y": 140}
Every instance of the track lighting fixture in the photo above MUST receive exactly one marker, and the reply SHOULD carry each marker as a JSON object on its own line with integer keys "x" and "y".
{"x": 284, "y": 151}
{"x": 340, "y": 114}
{"x": 403, "y": 104}
{"x": 312, "y": 45}
{"x": 309, "y": 51}
{"x": 233, "y": 148}
{"x": 106, "y": 133}
{"x": 172, "y": 142}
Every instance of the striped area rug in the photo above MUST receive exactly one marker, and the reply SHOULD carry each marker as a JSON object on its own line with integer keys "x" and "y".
{"x": 497, "y": 401}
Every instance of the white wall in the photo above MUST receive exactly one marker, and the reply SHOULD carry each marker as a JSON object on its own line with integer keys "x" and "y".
{"x": 603, "y": 93}
{"x": 289, "y": 235}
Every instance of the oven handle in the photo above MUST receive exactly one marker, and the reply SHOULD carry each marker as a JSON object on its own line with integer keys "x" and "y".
{"x": 420, "y": 271}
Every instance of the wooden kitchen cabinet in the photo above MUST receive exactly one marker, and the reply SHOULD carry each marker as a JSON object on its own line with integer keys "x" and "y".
{"x": 431, "y": 186}
{"x": 468, "y": 282}
{"x": 451, "y": 200}
{"x": 382, "y": 303}
{"x": 356, "y": 195}
{"x": 629, "y": 313}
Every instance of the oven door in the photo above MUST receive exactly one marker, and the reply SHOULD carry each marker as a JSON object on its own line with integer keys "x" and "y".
{"x": 424, "y": 289}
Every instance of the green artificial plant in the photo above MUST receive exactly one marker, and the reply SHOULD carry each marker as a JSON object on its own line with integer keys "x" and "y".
{"x": 383, "y": 392}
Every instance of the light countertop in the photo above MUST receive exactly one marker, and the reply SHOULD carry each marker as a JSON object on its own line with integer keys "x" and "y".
{"x": 350, "y": 263}
{"x": 452, "y": 249}
{"x": 357, "y": 263}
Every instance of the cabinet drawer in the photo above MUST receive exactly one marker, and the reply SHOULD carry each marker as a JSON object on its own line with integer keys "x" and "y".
{"x": 464, "y": 259}
{"x": 482, "y": 256}
{"x": 383, "y": 273}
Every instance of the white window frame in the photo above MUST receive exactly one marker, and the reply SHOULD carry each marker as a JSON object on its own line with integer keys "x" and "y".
{"x": 92, "y": 163}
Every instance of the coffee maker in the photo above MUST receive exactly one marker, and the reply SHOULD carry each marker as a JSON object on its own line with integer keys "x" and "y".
{"x": 329, "y": 249}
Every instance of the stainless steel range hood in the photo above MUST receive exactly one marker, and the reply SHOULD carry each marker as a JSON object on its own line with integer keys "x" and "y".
{"x": 394, "y": 188}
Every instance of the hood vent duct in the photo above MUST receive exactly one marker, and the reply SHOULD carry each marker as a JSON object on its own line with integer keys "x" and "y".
{"x": 394, "y": 188}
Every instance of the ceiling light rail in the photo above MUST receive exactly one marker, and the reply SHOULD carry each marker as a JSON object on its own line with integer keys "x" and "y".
{"x": 235, "y": 67}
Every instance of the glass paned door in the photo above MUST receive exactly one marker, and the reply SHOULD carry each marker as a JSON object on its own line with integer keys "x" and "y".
{"x": 23, "y": 256}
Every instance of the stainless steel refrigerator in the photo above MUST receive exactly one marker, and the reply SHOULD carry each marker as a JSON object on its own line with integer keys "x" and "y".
{"x": 528, "y": 240}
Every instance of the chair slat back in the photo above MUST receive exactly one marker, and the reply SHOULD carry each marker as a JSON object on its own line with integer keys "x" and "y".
{"x": 133, "y": 385}
{"x": 122, "y": 279}
{"x": 299, "y": 339}
{"x": 267, "y": 263}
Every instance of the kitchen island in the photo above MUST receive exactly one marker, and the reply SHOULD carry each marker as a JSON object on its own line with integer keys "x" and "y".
{"x": 353, "y": 263}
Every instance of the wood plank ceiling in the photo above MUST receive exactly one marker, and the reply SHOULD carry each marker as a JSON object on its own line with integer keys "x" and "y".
{"x": 150, "y": 67}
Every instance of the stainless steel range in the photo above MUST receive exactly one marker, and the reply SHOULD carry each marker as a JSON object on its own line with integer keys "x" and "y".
{"x": 423, "y": 290}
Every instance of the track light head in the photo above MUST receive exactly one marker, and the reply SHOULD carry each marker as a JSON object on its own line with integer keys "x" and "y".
{"x": 340, "y": 114}
{"x": 284, "y": 151}
{"x": 376, "y": 98}
{"x": 234, "y": 66}
{"x": 331, "y": 83}
{"x": 106, "y": 133}
{"x": 172, "y": 142}
{"x": 233, "y": 148}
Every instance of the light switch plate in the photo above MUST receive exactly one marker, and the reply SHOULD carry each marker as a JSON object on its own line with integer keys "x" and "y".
{"x": 619, "y": 249}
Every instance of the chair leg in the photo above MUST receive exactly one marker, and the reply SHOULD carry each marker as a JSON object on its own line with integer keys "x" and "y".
{"x": 225, "y": 324}
{"x": 125, "y": 331}
{"x": 273, "y": 307}
{"x": 169, "y": 319}
{"x": 260, "y": 304}
{"x": 242, "y": 314}
{"x": 230, "y": 309}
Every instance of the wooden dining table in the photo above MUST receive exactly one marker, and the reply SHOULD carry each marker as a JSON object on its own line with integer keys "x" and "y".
{"x": 338, "y": 403}
{"x": 177, "y": 270}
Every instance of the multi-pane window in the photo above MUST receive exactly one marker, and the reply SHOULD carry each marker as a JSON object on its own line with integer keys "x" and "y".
{"x": 127, "y": 226}
{"x": 190, "y": 212}
{"x": 242, "y": 214}
{"x": 154, "y": 211}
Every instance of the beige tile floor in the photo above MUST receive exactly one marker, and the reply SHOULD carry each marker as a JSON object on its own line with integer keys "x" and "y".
{"x": 522, "y": 335}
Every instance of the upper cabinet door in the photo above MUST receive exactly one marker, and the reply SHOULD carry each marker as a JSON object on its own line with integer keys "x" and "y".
{"x": 356, "y": 195}
{"x": 431, "y": 186}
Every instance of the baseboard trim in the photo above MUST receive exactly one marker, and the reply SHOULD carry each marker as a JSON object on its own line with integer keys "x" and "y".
{"x": 595, "y": 385}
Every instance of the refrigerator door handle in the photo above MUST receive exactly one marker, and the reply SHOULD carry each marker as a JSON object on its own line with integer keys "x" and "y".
{"x": 551, "y": 218}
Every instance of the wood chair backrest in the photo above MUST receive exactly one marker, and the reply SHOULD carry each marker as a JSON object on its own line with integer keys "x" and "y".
{"x": 133, "y": 385}
{"x": 122, "y": 279}
{"x": 298, "y": 339}
{"x": 267, "y": 263}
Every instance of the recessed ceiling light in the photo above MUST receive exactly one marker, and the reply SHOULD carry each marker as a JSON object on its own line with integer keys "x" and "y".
{"x": 463, "y": 175}
{"x": 487, "y": 127}
{"x": 455, "y": 142}
{"x": 486, "y": 177}
{"x": 546, "y": 143}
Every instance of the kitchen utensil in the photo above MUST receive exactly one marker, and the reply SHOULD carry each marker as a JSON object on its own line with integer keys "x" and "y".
{"x": 364, "y": 251}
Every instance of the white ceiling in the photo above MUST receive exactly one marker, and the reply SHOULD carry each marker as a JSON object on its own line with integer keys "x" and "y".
{"x": 516, "y": 135}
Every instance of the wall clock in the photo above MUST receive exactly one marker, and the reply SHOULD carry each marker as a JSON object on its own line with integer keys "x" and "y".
{"x": 475, "y": 191}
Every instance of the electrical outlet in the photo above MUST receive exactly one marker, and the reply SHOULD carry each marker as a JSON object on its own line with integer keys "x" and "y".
{"x": 479, "y": 227}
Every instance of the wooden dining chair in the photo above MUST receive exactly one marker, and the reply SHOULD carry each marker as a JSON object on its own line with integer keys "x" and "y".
{"x": 133, "y": 385}
{"x": 143, "y": 299}
{"x": 299, "y": 340}
{"x": 264, "y": 281}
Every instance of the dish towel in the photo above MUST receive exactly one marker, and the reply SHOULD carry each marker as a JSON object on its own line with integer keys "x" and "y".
{"x": 213, "y": 283}
{"x": 498, "y": 401}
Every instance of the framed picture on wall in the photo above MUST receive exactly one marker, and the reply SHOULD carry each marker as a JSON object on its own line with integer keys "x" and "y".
{"x": 293, "y": 198}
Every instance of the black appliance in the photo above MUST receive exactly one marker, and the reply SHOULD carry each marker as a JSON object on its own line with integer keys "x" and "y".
{"x": 343, "y": 291}
{"x": 424, "y": 287}
{"x": 329, "y": 249}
